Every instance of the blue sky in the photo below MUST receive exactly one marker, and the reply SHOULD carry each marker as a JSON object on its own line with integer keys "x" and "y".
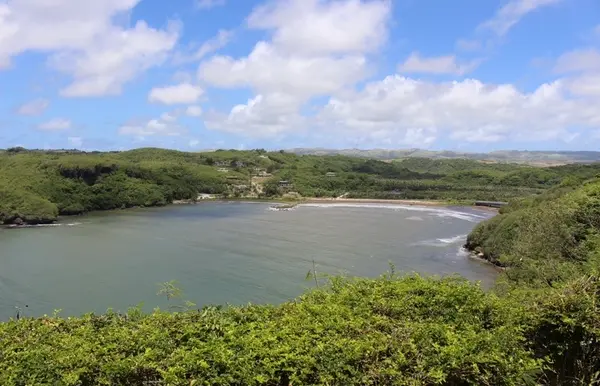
{"x": 198, "y": 74}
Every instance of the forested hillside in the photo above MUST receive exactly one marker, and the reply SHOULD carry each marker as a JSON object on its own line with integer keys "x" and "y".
{"x": 549, "y": 245}
{"x": 539, "y": 326}
{"x": 545, "y": 239}
{"x": 36, "y": 186}
{"x": 510, "y": 156}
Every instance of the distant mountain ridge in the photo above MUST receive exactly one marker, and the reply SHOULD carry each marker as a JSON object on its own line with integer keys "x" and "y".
{"x": 518, "y": 156}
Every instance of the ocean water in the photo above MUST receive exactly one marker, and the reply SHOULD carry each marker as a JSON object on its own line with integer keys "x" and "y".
{"x": 223, "y": 252}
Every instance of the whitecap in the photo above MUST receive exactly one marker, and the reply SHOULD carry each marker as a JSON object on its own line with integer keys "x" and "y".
{"x": 274, "y": 209}
{"x": 453, "y": 240}
{"x": 44, "y": 225}
{"x": 442, "y": 242}
{"x": 463, "y": 252}
{"x": 436, "y": 211}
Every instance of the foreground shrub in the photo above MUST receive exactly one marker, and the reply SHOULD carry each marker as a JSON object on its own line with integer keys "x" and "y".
{"x": 388, "y": 331}
{"x": 562, "y": 325}
{"x": 552, "y": 241}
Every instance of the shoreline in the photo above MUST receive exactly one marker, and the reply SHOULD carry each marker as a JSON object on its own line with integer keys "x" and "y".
{"x": 477, "y": 257}
{"x": 316, "y": 200}
{"x": 280, "y": 200}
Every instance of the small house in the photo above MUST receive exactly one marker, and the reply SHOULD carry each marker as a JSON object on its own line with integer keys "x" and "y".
{"x": 284, "y": 184}
{"x": 330, "y": 174}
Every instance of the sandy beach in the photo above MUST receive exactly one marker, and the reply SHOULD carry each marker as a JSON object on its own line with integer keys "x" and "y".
{"x": 316, "y": 200}
{"x": 375, "y": 201}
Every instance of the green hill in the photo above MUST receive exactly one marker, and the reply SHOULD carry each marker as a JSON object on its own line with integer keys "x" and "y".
{"x": 510, "y": 156}
{"x": 36, "y": 186}
{"x": 539, "y": 326}
{"x": 545, "y": 239}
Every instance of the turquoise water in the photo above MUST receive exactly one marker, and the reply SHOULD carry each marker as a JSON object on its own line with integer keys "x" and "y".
{"x": 222, "y": 253}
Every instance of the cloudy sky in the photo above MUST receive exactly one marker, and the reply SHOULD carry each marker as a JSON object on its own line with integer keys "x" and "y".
{"x": 197, "y": 74}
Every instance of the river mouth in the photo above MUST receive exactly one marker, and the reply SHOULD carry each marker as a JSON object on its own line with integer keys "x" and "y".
{"x": 224, "y": 252}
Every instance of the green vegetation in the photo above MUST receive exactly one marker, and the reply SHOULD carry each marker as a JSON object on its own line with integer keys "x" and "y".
{"x": 540, "y": 325}
{"x": 36, "y": 186}
{"x": 545, "y": 239}
{"x": 512, "y": 156}
{"x": 387, "y": 331}
{"x": 359, "y": 332}
{"x": 548, "y": 244}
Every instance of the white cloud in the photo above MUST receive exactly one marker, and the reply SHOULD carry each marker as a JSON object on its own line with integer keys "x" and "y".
{"x": 193, "y": 143}
{"x": 585, "y": 85}
{"x": 221, "y": 40}
{"x": 578, "y": 61}
{"x": 317, "y": 48}
{"x": 262, "y": 116}
{"x": 195, "y": 53}
{"x": 400, "y": 108}
{"x": 268, "y": 70}
{"x": 435, "y": 65}
{"x": 490, "y": 32}
{"x": 582, "y": 67}
{"x": 193, "y": 111}
{"x": 170, "y": 117}
{"x": 183, "y": 93}
{"x": 166, "y": 125}
{"x": 77, "y": 142}
{"x": 100, "y": 55}
{"x": 34, "y": 107}
{"x": 57, "y": 124}
{"x": 208, "y": 4}
{"x": 511, "y": 13}
{"x": 324, "y": 27}
{"x": 153, "y": 127}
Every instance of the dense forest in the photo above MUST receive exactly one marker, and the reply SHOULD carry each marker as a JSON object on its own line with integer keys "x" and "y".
{"x": 37, "y": 186}
{"x": 540, "y": 325}
{"x": 511, "y": 156}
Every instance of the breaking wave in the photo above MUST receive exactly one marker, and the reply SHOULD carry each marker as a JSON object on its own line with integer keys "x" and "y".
{"x": 273, "y": 209}
{"x": 439, "y": 212}
{"x": 13, "y": 226}
{"x": 443, "y": 242}
{"x": 453, "y": 240}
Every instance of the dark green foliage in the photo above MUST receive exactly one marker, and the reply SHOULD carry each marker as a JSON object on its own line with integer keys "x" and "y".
{"x": 562, "y": 325}
{"x": 419, "y": 178}
{"x": 77, "y": 182}
{"x": 544, "y": 240}
{"x": 541, "y": 325}
{"x": 389, "y": 331}
{"x": 550, "y": 246}
{"x": 22, "y": 205}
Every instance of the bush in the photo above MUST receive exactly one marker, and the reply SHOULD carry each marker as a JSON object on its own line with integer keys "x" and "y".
{"x": 387, "y": 331}
{"x": 20, "y": 205}
{"x": 562, "y": 326}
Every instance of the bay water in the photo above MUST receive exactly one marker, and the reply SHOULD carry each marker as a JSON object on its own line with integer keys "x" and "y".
{"x": 223, "y": 252}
